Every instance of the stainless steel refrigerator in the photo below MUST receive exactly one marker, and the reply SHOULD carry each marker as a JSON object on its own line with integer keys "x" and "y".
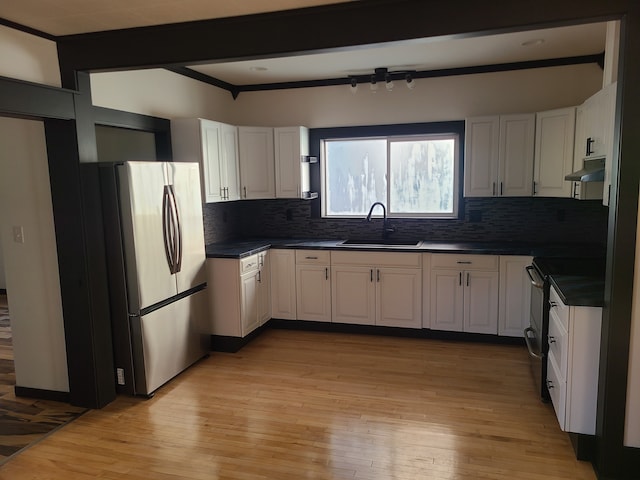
{"x": 156, "y": 267}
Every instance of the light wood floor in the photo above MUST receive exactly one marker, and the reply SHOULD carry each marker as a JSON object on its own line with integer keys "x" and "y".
{"x": 294, "y": 405}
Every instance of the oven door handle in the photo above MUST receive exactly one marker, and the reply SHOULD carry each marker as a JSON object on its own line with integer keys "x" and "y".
{"x": 527, "y": 340}
{"x": 536, "y": 281}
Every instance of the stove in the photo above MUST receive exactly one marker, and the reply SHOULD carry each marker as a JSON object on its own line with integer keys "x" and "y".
{"x": 538, "y": 330}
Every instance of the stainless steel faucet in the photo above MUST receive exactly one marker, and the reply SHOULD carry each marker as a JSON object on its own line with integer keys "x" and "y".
{"x": 387, "y": 228}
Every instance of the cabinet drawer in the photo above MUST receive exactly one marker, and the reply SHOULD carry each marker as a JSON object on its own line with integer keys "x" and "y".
{"x": 557, "y": 391}
{"x": 558, "y": 308}
{"x": 465, "y": 262}
{"x": 249, "y": 264}
{"x": 377, "y": 259}
{"x": 313, "y": 257}
{"x": 558, "y": 344}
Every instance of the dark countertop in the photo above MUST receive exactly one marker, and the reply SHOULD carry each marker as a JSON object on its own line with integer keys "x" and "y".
{"x": 579, "y": 290}
{"x": 244, "y": 248}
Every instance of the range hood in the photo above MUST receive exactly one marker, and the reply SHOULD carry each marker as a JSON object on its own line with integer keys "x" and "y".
{"x": 593, "y": 171}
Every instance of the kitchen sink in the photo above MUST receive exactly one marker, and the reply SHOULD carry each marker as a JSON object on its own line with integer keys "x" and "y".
{"x": 381, "y": 242}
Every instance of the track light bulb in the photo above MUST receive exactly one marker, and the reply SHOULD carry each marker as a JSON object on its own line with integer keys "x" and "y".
{"x": 410, "y": 83}
{"x": 354, "y": 85}
{"x": 374, "y": 84}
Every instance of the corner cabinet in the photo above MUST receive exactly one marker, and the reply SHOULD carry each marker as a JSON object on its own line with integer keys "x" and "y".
{"x": 464, "y": 293}
{"x": 313, "y": 285}
{"x": 573, "y": 364}
{"x": 214, "y": 145}
{"x": 515, "y": 295}
{"x": 377, "y": 288}
{"x": 256, "y": 158}
{"x": 499, "y": 156}
{"x": 239, "y": 294}
{"x": 555, "y": 131}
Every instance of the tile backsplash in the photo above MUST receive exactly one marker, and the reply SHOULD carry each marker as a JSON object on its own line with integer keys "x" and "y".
{"x": 540, "y": 220}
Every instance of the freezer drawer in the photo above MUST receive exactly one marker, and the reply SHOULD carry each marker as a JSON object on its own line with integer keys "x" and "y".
{"x": 168, "y": 340}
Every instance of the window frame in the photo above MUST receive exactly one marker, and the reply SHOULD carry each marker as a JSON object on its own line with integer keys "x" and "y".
{"x": 398, "y": 132}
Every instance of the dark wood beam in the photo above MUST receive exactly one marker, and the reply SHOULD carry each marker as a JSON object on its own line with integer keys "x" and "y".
{"x": 25, "y": 99}
{"x": 323, "y": 28}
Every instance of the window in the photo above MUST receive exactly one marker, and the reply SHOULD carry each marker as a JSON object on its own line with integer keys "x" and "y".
{"x": 414, "y": 176}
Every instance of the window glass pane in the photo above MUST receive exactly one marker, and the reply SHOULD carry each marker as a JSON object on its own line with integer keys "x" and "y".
{"x": 355, "y": 175}
{"x": 422, "y": 176}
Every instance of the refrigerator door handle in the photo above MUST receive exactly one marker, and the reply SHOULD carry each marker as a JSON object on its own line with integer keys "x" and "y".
{"x": 177, "y": 232}
{"x": 167, "y": 228}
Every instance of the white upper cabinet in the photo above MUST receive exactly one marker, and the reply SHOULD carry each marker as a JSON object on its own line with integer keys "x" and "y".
{"x": 257, "y": 168}
{"x": 555, "y": 131}
{"x": 499, "y": 156}
{"x": 291, "y": 148}
{"x": 214, "y": 145}
{"x": 482, "y": 136}
{"x": 595, "y": 138}
{"x": 517, "y": 135}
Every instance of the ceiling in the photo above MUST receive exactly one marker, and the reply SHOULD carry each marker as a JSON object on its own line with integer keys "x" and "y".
{"x": 66, "y": 17}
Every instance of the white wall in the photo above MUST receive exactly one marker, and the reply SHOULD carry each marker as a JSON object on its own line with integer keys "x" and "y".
{"x": 435, "y": 99}
{"x": 32, "y": 277}
{"x": 3, "y": 281}
{"x": 632, "y": 418}
{"x": 27, "y": 57}
{"x": 160, "y": 93}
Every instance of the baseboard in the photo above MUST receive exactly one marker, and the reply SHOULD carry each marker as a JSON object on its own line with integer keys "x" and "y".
{"x": 393, "y": 331}
{"x": 42, "y": 394}
{"x": 584, "y": 446}
{"x": 221, "y": 343}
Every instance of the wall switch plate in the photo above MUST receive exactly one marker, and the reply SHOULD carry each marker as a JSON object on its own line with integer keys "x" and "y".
{"x": 120, "y": 375}
{"x": 18, "y": 234}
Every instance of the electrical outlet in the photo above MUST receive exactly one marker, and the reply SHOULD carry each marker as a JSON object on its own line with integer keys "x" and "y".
{"x": 18, "y": 234}
{"x": 120, "y": 374}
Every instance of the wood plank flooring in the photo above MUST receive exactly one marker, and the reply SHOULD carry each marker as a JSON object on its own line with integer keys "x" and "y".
{"x": 23, "y": 421}
{"x": 317, "y": 405}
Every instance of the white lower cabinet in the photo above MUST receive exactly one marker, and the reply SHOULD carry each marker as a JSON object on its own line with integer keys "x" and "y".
{"x": 573, "y": 364}
{"x": 464, "y": 293}
{"x": 377, "y": 288}
{"x": 313, "y": 285}
{"x": 239, "y": 294}
{"x": 283, "y": 283}
{"x": 515, "y": 295}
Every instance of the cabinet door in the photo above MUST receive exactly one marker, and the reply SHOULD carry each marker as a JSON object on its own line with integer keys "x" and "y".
{"x": 257, "y": 169}
{"x": 515, "y": 296}
{"x": 353, "y": 295}
{"x": 480, "y": 302}
{"x": 249, "y": 302}
{"x": 230, "y": 168}
{"x": 283, "y": 284}
{"x": 481, "y": 156}
{"x": 263, "y": 297}
{"x": 211, "y": 161}
{"x": 446, "y": 300}
{"x": 313, "y": 292}
{"x": 555, "y": 131}
{"x": 289, "y": 143}
{"x": 517, "y": 134}
{"x": 398, "y": 302}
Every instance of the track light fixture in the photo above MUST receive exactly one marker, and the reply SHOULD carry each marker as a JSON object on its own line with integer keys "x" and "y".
{"x": 380, "y": 75}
